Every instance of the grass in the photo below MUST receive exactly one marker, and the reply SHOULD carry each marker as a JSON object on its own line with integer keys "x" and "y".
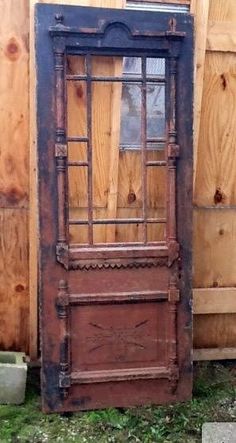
{"x": 213, "y": 400}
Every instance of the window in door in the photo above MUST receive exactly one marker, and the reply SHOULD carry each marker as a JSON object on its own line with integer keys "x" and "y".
{"x": 117, "y": 158}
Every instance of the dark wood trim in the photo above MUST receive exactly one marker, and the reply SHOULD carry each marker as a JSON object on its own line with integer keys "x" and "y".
{"x": 118, "y": 297}
{"x": 110, "y": 375}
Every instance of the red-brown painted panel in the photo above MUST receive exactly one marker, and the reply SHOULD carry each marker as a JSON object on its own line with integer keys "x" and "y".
{"x": 123, "y": 335}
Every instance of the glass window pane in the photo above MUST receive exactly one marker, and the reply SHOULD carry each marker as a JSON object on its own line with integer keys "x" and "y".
{"x": 130, "y": 131}
{"x": 78, "y": 187}
{"x": 77, "y": 151}
{"x": 132, "y": 66}
{"x": 105, "y": 66}
{"x": 155, "y": 111}
{"x": 76, "y": 105}
{"x": 155, "y": 67}
{"x": 117, "y": 189}
{"x": 156, "y": 232}
{"x": 76, "y": 65}
{"x": 123, "y": 233}
{"x": 156, "y": 191}
{"x": 78, "y": 234}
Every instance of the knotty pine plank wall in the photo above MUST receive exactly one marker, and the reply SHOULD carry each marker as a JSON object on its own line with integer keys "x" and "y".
{"x": 215, "y": 170}
{"x": 215, "y": 183}
{"x": 14, "y": 174}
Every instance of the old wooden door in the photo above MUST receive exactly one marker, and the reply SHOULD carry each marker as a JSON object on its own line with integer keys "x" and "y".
{"x": 114, "y": 97}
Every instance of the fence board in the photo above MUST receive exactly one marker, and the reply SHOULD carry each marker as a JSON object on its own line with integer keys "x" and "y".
{"x": 14, "y": 306}
{"x": 221, "y": 36}
{"x": 14, "y": 191}
{"x": 214, "y": 331}
{"x": 14, "y": 131}
{"x": 216, "y": 160}
{"x": 214, "y": 254}
{"x": 214, "y": 301}
{"x": 200, "y": 10}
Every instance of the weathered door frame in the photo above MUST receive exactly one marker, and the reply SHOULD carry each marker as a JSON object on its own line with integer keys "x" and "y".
{"x": 61, "y": 29}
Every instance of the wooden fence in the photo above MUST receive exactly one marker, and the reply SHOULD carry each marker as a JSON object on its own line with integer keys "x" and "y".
{"x": 214, "y": 297}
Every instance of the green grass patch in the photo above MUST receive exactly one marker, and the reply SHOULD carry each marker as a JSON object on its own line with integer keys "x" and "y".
{"x": 213, "y": 400}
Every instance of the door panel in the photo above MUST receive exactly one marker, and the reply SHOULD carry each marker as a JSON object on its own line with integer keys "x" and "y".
{"x": 115, "y": 180}
{"x": 112, "y": 336}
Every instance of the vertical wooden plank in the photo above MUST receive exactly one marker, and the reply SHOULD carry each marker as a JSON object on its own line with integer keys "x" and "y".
{"x": 33, "y": 212}
{"x": 216, "y": 163}
{"x": 14, "y": 54}
{"x": 200, "y": 9}
{"x": 14, "y": 104}
{"x": 14, "y": 300}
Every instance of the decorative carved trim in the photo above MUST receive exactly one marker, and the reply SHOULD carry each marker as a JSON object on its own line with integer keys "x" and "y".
{"x": 173, "y": 356}
{"x": 118, "y": 297}
{"x": 88, "y": 265}
{"x": 60, "y": 150}
{"x": 62, "y": 254}
{"x": 115, "y": 375}
{"x": 62, "y": 300}
{"x": 104, "y": 26}
{"x": 62, "y": 306}
{"x": 173, "y": 150}
{"x": 60, "y": 139}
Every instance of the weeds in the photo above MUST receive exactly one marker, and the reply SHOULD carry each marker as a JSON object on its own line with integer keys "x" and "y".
{"x": 213, "y": 400}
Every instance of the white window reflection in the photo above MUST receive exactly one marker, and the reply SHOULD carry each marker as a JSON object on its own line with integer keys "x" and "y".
{"x": 130, "y": 134}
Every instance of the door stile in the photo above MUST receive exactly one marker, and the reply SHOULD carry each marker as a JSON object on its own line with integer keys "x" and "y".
{"x": 172, "y": 154}
{"x": 62, "y": 304}
{"x": 173, "y": 246}
{"x": 63, "y": 313}
{"x": 61, "y": 149}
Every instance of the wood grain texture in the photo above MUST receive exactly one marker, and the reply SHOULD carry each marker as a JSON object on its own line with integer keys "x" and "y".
{"x": 221, "y": 36}
{"x": 14, "y": 186}
{"x": 112, "y": 196}
{"x": 14, "y": 300}
{"x": 214, "y": 331}
{"x": 200, "y": 10}
{"x": 216, "y": 162}
{"x": 214, "y": 254}
{"x": 214, "y": 301}
{"x": 214, "y": 229}
{"x": 14, "y": 110}
{"x": 33, "y": 200}
{"x": 222, "y": 10}
{"x": 214, "y": 354}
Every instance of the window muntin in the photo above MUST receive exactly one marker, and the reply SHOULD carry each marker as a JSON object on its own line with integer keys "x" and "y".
{"x": 120, "y": 119}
